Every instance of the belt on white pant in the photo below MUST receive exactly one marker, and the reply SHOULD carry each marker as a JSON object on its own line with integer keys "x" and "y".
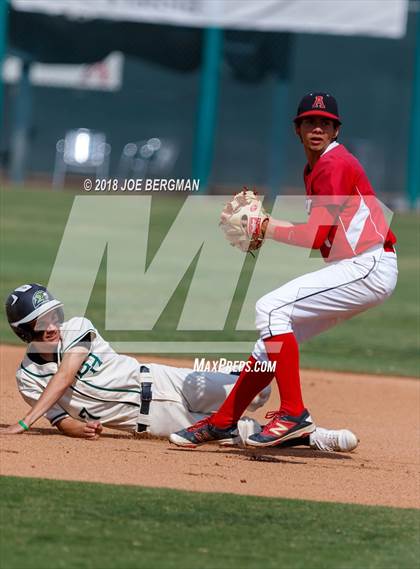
{"x": 387, "y": 247}
{"x": 146, "y": 380}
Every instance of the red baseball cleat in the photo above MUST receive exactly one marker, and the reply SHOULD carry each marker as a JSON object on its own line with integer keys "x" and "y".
{"x": 282, "y": 428}
{"x": 203, "y": 432}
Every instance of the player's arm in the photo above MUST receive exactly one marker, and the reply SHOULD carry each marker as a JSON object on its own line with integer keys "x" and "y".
{"x": 73, "y": 428}
{"x": 331, "y": 187}
{"x": 311, "y": 234}
{"x": 55, "y": 389}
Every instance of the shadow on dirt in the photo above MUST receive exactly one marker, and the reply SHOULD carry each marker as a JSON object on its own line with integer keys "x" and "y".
{"x": 45, "y": 431}
{"x": 270, "y": 454}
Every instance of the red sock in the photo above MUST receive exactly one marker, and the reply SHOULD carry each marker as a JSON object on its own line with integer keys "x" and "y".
{"x": 248, "y": 385}
{"x": 284, "y": 350}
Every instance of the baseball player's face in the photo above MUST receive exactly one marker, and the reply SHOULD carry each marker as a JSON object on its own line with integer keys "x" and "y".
{"x": 316, "y": 133}
{"x": 47, "y": 328}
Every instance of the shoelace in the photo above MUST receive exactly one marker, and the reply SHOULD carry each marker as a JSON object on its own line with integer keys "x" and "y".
{"x": 273, "y": 415}
{"x": 199, "y": 424}
{"x": 331, "y": 437}
{"x": 328, "y": 441}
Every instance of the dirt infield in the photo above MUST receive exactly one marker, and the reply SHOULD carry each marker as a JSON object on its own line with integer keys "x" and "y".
{"x": 383, "y": 411}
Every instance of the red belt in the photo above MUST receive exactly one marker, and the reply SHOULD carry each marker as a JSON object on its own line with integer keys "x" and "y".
{"x": 388, "y": 248}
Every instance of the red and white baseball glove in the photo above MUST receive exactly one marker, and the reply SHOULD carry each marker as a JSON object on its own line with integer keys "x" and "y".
{"x": 242, "y": 221}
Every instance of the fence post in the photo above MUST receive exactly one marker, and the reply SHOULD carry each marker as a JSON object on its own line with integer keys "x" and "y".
{"x": 207, "y": 105}
{"x": 413, "y": 168}
{"x": 3, "y": 36}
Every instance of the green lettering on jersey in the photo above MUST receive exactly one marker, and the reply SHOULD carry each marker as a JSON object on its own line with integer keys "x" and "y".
{"x": 91, "y": 364}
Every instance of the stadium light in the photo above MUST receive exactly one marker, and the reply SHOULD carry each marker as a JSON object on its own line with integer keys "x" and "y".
{"x": 81, "y": 147}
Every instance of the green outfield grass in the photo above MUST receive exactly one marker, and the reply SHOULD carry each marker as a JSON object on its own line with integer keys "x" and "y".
{"x": 65, "y": 524}
{"x": 383, "y": 340}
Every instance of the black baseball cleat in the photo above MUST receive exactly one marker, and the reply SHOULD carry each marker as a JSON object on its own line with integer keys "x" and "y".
{"x": 204, "y": 432}
{"x": 282, "y": 428}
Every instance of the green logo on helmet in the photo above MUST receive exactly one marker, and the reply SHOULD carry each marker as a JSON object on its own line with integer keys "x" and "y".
{"x": 39, "y": 298}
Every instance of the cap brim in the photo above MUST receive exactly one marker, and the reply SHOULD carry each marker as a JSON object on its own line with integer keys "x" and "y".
{"x": 317, "y": 114}
{"x": 40, "y": 311}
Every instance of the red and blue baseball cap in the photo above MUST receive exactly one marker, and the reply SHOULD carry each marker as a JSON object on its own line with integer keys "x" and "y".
{"x": 318, "y": 104}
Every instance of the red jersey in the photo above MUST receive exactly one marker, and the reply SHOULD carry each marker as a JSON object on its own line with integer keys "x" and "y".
{"x": 339, "y": 183}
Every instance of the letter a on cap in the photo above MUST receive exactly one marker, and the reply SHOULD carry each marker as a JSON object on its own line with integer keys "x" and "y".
{"x": 319, "y": 102}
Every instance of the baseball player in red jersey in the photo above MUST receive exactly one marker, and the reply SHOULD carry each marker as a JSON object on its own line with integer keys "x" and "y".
{"x": 347, "y": 225}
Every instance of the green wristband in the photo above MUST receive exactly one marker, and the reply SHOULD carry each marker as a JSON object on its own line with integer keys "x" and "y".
{"x": 23, "y": 425}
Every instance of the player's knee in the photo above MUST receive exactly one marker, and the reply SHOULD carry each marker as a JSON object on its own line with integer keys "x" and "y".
{"x": 262, "y": 308}
{"x": 264, "y": 311}
{"x": 261, "y": 316}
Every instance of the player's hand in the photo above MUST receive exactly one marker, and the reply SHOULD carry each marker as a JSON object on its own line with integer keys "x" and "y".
{"x": 15, "y": 429}
{"x": 244, "y": 220}
{"x": 92, "y": 430}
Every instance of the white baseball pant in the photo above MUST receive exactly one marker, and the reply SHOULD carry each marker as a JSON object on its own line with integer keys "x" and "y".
{"x": 314, "y": 302}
